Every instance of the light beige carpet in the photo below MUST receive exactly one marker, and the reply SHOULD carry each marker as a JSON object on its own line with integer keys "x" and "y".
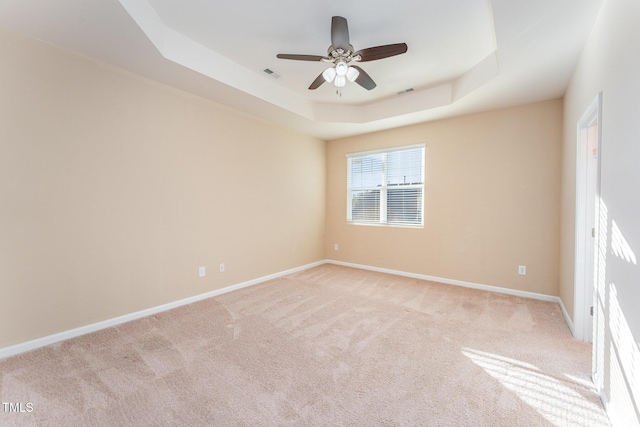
{"x": 330, "y": 346}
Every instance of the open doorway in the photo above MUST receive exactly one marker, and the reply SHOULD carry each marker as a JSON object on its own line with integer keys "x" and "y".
{"x": 587, "y": 221}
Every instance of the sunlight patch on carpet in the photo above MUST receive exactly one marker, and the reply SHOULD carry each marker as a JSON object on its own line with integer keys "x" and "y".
{"x": 559, "y": 401}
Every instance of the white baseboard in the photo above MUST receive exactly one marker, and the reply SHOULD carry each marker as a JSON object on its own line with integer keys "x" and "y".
{"x": 72, "y": 333}
{"x": 605, "y": 401}
{"x": 497, "y": 289}
{"x": 567, "y": 318}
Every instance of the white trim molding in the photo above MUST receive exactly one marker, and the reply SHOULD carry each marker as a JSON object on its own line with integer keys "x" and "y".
{"x": 94, "y": 327}
{"x": 567, "y": 318}
{"x": 587, "y": 219}
{"x": 489, "y": 288}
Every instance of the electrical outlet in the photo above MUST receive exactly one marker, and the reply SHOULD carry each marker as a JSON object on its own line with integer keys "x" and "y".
{"x": 335, "y": 246}
{"x": 522, "y": 270}
{"x": 222, "y": 268}
{"x": 202, "y": 272}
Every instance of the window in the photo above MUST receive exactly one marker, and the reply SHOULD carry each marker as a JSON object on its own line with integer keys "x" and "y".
{"x": 386, "y": 186}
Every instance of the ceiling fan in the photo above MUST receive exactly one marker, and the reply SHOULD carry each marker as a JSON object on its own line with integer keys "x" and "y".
{"x": 341, "y": 54}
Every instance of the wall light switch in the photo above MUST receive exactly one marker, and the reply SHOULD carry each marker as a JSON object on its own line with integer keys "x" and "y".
{"x": 201, "y": 272}
{"x": 522, "y": 270}
{"x": 335, "y": 246}
{"x": 222, "y": 268}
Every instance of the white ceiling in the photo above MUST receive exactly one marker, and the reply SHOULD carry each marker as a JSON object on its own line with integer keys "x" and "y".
{"x": 463, "y": 55}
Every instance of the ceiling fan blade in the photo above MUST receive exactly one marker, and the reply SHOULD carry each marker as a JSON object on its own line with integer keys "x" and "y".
{"x": 364, "y": 79}
{"x": 300, "y": 57}
{"x": 339, "y": 33}
{"x": 381, "y": 52}
{"x": 317, "y": 82}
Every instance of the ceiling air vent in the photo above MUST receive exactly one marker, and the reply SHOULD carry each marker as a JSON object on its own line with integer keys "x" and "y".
{"x": 271, "y": 73}
{"x": 406, "y": 91}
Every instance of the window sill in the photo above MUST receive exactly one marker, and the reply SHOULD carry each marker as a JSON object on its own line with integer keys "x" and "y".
{"x": 369, "y": 224}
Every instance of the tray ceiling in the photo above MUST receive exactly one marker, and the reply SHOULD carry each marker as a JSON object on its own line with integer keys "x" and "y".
{"x": 463, "y": 56}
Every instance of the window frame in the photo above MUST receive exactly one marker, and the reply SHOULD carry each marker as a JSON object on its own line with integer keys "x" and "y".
{"x": 384, "y": 189}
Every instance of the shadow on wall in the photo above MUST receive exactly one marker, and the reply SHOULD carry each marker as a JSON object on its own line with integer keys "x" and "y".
{"x": 618, "y": 354}
{"x": 619, "y": 245}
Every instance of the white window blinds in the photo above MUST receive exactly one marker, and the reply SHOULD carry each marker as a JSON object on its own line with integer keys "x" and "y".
{"x": 386, "y": 187}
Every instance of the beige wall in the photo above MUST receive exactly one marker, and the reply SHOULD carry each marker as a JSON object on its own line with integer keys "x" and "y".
{"x": 611, "y": 63}
{"x": 491, "y": 200}
{"x": 115, "y": 189}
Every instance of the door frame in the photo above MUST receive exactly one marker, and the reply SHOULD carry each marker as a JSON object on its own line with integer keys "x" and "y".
{"x": 586, "y": 264}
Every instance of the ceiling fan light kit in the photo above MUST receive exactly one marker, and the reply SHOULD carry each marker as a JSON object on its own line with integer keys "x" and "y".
{"x": 352, "y": 74}
{"x": 341, "y": 54}
{"x": 329, "y": 74}
{"x": 340, "y": 72}
{"x": 341, "y": 67}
